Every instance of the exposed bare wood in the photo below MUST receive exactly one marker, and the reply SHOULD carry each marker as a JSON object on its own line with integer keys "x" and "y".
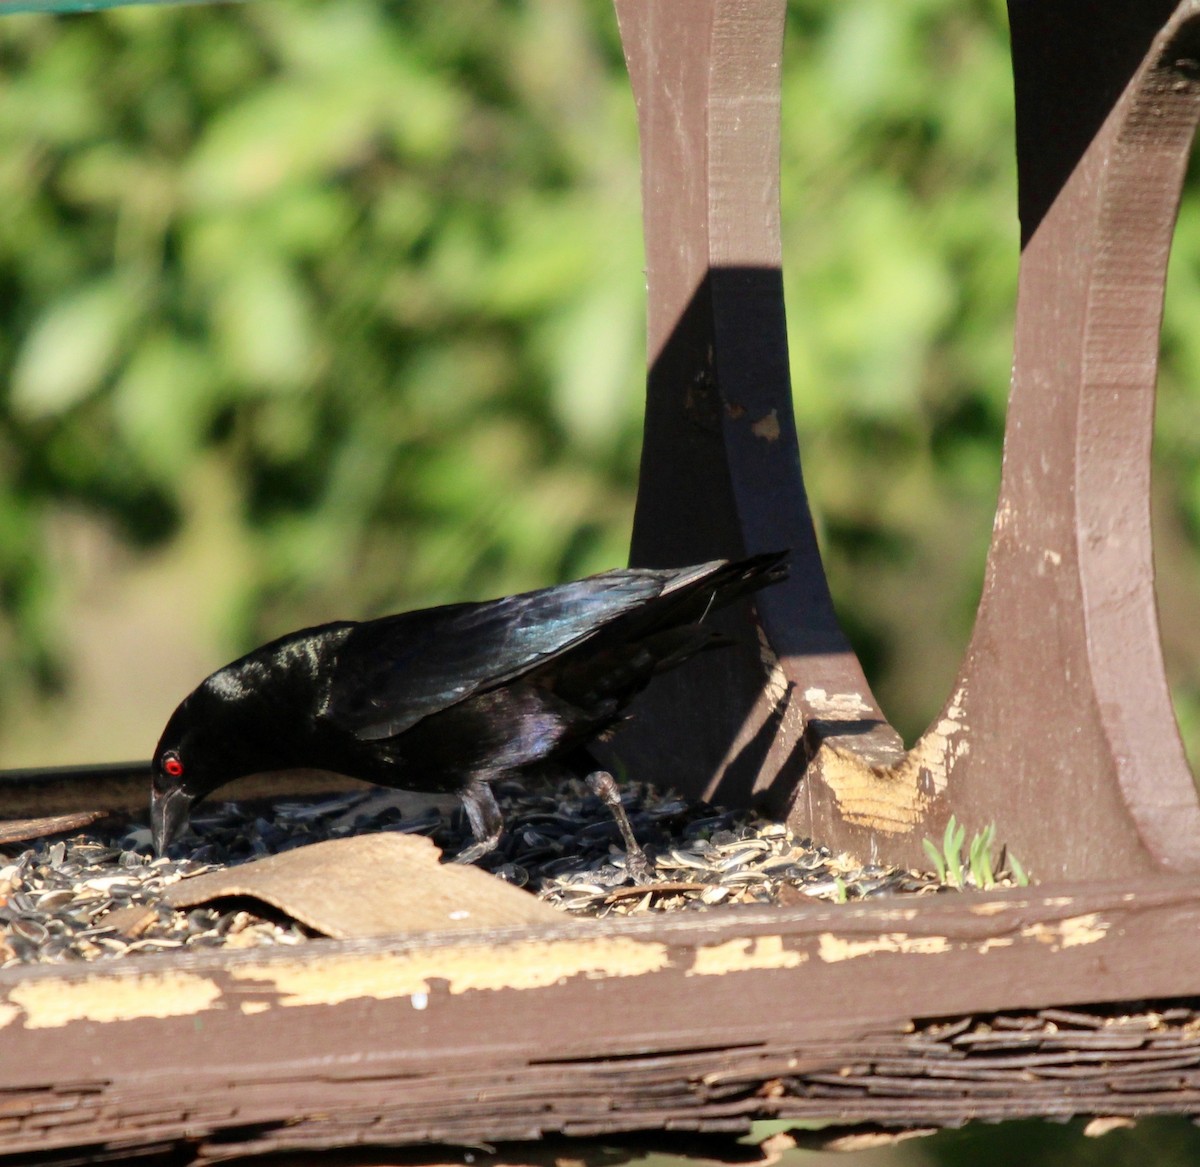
{"x": 23, "y": 830}
{"x": 699, "y": 1023}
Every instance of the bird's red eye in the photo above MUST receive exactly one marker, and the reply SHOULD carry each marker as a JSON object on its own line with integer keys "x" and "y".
{"x": 172, "y": 764}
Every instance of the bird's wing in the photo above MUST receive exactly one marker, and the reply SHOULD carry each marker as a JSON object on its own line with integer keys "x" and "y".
{"x": 393, "y": 672}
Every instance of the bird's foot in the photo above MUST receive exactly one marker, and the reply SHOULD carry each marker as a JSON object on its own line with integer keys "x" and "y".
{"x": 638, "y": 864}
{"x": 487, "y": 824}
{"x": 602, "y": 784}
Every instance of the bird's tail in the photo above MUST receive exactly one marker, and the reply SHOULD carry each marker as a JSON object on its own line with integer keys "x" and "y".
{"x": 707, "y": 587}
{"x": 673, "y": 626}
{"x": 667, "y": 629}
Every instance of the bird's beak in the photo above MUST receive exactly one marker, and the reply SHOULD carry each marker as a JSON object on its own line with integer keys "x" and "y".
{"x": 168, "y": 816}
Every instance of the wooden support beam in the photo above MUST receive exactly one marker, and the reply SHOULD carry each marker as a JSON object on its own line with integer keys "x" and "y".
{"x": 1059, "y": 728}
{"x": 720, "y": 471}
{"x": 852, "y": 1013}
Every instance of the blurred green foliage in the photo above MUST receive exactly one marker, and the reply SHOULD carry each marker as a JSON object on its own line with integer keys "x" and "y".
{"x": 379, "y": 263}
{"x": 1167, "y": 1142}
{"x": 376, "y": 267}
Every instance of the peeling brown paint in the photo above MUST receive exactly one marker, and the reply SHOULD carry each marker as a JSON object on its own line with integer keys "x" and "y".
{"x": 1069, "y": 933}
{"x": 796, "y": 984}
{"x": 744, "y": 955}
{"x": 994, "y": 908}
{"x": 833, "y": 949}
{"x": 943, "y": 744}
{"x": 895, "y": 800}
{"x": 843, "y": 706}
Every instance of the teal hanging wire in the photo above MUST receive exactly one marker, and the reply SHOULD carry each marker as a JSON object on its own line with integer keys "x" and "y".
{"x": 10, "y": 6}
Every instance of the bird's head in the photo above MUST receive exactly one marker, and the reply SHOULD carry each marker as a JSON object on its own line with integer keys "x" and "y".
{"x": 184, "y": 771}
{"x": 250, "y": 717}
{"x": 209, "y": 740}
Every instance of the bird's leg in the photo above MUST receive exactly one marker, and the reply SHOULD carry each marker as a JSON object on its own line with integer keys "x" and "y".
{"x": 485, "y": 818}
{"x": 602, "y": 784}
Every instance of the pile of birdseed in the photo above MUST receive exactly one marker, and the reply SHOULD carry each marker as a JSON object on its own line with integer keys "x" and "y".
{"x": 98, "y": 894}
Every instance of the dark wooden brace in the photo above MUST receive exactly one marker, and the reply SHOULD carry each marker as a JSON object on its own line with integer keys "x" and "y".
{"x": 1059, "y": 727}
{"x": 1074, "y": 997}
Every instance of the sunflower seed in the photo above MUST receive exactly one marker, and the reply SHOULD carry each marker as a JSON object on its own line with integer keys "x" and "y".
{"x": 561, "y": 844}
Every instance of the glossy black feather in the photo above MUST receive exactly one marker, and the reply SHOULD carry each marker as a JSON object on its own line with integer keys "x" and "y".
{"x": 395, "y": 671}
{"x": 448, "y": 698}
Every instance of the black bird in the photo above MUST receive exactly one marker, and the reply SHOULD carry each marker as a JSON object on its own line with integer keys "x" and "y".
{"x": 448, "y": 698}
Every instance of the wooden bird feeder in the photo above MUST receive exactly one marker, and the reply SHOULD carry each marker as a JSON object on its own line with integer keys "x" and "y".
{"x": 1079, "y": 995}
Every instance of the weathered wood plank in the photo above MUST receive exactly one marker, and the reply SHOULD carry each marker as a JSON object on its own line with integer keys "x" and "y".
{"x": 699, "y": 1022}
{"x": 44, "y": 791}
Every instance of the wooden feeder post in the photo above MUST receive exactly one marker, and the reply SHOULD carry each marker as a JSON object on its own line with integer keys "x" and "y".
{"x": 1059, "y": 728}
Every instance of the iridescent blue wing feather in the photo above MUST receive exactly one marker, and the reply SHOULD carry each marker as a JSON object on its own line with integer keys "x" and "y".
{"x": 392, "y": 673}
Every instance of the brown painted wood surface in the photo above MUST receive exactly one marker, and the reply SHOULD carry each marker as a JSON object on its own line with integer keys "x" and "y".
{"x": 1059, "y": 727}
{"x": 691, "y": 1022}
{"x": 720, "y": 471}
{"x": 110, "y": 787}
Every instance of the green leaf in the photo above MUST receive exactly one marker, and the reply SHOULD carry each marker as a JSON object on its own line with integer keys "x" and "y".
{"x": 264, "y": 324}
{"x": 982, "y": 874}
{"x": 935, "y": 857}
{"x": 71, "y": 348}
{"x": 163, "y": 402}
{"x": 595, "y": 349}
{"x": 952, "y": 842}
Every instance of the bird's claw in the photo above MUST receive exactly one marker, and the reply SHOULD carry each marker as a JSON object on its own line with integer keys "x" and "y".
{"x": 640, "y": 868}
{"x": 475, "y": 851}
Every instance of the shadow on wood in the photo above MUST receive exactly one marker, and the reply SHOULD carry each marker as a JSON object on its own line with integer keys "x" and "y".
{"x": 1059, "y": 728}
{"x": 720, "y": 472}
